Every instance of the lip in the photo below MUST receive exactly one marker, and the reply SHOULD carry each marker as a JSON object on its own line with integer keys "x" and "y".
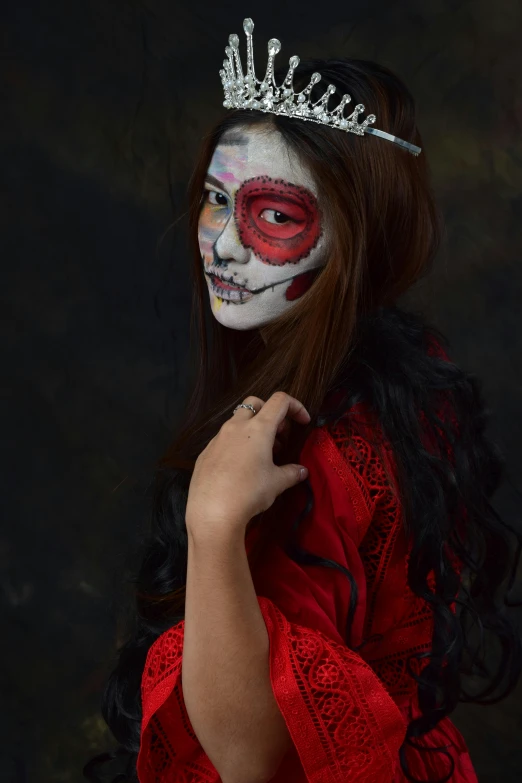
{"x": 229, "y": 292}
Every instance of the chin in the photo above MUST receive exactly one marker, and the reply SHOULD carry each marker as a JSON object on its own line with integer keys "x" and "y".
{"x": 238, "y": 321}
{"x": 240, "y": 316}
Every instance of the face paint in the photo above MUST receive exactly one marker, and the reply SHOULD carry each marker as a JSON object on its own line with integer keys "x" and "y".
{"x": 261, "y": 232}
{"x": 277, "y": 243}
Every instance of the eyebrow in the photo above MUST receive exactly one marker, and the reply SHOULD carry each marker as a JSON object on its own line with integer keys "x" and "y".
{"x": 214, "y": 181}
{"x": 233, "y": 138}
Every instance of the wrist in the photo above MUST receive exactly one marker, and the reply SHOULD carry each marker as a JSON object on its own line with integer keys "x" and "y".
{"x": 212, "y": 531}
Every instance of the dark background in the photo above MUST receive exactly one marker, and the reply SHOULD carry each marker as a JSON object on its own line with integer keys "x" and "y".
{"x": 104, "y": 107}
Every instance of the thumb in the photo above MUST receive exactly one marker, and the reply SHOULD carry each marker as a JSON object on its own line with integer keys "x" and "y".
{"x": 292, "y": 475}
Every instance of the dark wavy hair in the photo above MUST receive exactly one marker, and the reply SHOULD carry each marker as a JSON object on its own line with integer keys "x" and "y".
{"x": 347, "y": 333}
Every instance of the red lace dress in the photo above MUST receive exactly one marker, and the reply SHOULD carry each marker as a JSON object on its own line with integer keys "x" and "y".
{"x": 346, "y": 711}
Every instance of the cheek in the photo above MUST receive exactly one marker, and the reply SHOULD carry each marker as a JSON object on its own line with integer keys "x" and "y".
{"x": 300, "y": 285}
{"x": 273, "y": 243}
{"x": 212, "y": 221}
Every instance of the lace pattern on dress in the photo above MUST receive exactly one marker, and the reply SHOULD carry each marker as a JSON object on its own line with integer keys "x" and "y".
{"x": 167, "y": 733}
{"x": 384, "y": 552}
{"x": 346, "y": 708}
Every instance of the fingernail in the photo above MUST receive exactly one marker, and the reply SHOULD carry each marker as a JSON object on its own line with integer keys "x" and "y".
{"x": 304, "y": 473}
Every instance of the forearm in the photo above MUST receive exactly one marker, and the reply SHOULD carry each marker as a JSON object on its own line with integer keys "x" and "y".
{"x": 225, "y": 667}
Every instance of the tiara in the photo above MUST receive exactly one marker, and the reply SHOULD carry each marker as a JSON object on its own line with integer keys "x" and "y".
{"x": 242, "y": 92}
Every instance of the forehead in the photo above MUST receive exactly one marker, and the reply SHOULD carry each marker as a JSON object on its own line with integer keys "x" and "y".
{"x": 249, "y": 152}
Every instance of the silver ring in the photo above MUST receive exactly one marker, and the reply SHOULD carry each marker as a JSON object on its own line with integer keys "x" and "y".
{"x": 242, "y": 405}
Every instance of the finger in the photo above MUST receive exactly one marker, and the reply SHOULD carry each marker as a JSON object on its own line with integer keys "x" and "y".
{"x": 278, "y": 407}
{"x": 245, "y": 413}
{"x": 290, "y": 475}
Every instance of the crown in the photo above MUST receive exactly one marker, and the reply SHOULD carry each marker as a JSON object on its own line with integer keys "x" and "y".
{"x": 247, "y": 92}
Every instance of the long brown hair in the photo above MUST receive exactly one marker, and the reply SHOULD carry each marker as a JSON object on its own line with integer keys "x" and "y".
{"x": 386, "y": 229}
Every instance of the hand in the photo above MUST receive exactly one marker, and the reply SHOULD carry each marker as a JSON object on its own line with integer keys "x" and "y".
{"x": 234, "y": 477}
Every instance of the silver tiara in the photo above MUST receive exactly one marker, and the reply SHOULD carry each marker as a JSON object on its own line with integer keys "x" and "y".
{"x": 242, "y": 92}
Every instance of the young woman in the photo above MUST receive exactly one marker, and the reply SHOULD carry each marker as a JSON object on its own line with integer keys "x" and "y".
{"x": 316, "y": 627}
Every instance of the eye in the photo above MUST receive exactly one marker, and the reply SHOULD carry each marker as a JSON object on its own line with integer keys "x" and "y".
{"x": 216, "y": 198}
{"x": 274, "y": 216}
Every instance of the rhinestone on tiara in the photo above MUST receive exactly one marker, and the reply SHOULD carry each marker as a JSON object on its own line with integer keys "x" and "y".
{"x": 245, "y": 91}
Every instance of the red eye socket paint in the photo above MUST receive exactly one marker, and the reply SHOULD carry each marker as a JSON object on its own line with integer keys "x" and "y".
{"x": 277, "y": 243}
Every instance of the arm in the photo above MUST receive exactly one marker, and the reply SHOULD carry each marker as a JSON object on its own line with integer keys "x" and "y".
{"x": 342, "y": 721}
{"x": 225, "y": 669}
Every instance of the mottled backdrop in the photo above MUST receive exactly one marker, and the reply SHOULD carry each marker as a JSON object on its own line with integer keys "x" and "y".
{"x": 104, "y": 105}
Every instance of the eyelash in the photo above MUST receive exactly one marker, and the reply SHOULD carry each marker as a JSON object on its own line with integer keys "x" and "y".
{"x": 207, "y": 194}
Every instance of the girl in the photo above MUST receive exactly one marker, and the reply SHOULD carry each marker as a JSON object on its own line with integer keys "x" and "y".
{"x": 316, "y": 626}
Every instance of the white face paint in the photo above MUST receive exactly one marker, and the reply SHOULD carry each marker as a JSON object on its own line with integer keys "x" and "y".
{"x": 261, "y": 231}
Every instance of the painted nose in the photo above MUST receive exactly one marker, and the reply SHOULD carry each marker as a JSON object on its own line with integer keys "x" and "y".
{"x": 228, "y": 246}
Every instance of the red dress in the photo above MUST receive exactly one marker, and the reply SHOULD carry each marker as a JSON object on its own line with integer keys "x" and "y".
{"x": 346, "y": 711}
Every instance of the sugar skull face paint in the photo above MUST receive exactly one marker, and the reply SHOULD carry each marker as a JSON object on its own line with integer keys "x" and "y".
{"x": 277, "y": 243}
{"x": 261, "y": 230}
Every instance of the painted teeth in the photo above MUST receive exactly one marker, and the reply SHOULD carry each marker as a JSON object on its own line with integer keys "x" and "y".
{"x": 230, "y": 295}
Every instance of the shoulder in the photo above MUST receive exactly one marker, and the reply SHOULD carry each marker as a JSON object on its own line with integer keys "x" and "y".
{"x": 362, "y": 444}
{"x": 387, "y": 395}
{"x": 351, "y": 461}
{"x": 362, "y": 447}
